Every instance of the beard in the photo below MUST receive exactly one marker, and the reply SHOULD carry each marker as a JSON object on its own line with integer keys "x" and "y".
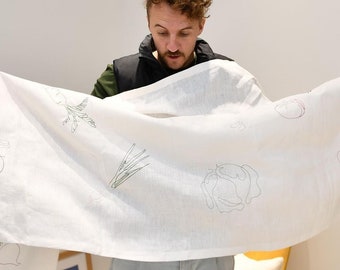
{"x": 165, "y": 60}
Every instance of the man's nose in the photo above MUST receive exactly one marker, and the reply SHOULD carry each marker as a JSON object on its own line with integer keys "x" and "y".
{"x": 173, "y": 44}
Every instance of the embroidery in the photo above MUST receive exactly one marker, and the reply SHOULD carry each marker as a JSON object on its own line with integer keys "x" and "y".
{"x": 230, "y": 187}
{"x": 3, "y": 145}
{"x": 75, "y": 113}
{"x": 129, "y": 166}
{"x": 291, "y": 109}
{"x": 239, "y": 125}
{"x": 9, "y": 254}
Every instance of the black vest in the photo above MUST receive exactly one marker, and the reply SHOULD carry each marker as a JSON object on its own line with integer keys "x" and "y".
{"x": 142, "y": 68}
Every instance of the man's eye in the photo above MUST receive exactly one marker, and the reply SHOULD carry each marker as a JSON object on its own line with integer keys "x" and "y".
{"x": 184, "y": 34}
{"x": 162, "y": 33}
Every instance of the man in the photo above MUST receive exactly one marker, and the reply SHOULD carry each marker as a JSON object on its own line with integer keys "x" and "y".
{"x": 172, "y": 46}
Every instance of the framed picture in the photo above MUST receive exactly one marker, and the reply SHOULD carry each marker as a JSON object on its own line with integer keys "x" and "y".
{"x": 73, "y": 260}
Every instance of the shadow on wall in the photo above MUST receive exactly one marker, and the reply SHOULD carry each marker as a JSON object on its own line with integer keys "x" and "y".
{"x": 320, "y": 252}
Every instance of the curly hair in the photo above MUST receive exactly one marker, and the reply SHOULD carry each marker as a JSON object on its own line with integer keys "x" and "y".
{"x": 194, "y": 9}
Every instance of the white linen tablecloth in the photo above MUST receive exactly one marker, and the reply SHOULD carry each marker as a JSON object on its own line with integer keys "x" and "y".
{"x": 200, "y": 164}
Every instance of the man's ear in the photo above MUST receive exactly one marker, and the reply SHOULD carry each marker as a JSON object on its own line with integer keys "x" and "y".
{"x": 201, "y": 25}
{"x": 148, "y": 20}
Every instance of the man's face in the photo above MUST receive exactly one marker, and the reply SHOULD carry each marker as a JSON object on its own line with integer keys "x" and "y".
{"x": 174, "y": 35}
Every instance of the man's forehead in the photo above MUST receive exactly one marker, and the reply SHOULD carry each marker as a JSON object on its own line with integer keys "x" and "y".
{"x": 171, "y": 19}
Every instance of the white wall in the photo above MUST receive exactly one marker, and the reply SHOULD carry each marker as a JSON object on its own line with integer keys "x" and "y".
{"x": 320, "y": 252}
{"x": 291, "y": 46}
{"x": 67, "y": 43}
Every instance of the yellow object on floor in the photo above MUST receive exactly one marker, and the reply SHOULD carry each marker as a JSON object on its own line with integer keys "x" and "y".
{"x": 265, "y": 255}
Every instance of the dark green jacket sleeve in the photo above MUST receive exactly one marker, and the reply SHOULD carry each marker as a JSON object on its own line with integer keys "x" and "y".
{"x": 106, "y": 85}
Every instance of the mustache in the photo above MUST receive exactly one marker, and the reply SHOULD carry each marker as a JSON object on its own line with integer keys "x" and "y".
{"x": 176, "y": 53}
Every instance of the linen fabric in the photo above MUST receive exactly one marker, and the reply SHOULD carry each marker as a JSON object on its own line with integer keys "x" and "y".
{"x": 198, "y": 165}
{"x": 21, "y": 257}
